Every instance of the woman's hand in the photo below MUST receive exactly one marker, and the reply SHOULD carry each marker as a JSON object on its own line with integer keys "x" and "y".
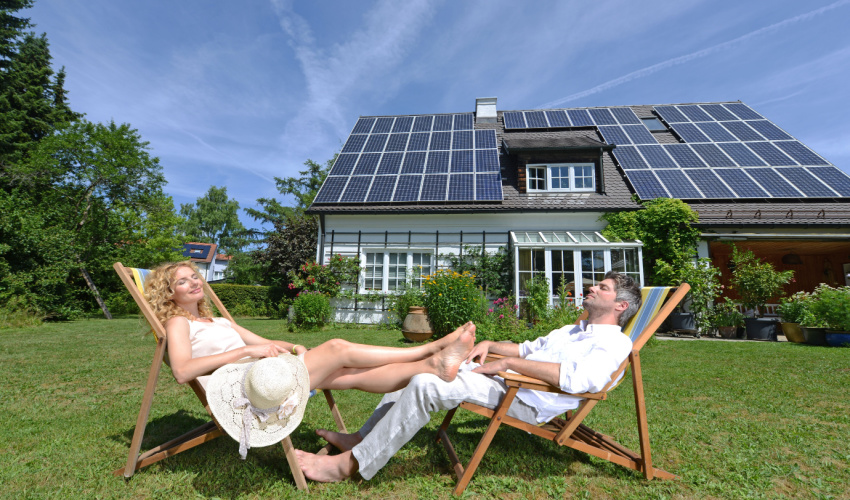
{"x": 269, "y": 350}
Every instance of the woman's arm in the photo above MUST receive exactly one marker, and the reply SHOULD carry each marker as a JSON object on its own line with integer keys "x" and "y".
{"x": 186, "y": 368}
{"x": 252, "y": 338}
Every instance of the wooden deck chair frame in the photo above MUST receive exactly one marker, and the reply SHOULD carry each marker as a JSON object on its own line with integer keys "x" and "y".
{"x": 569, "y": 431}
{"x": 205, "y": 432}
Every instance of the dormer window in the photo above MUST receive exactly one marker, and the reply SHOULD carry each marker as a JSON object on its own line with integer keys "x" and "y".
{"x": 560, "y": 177}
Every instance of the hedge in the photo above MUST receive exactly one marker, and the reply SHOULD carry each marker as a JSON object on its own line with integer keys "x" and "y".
{"x": 248, "y": 300}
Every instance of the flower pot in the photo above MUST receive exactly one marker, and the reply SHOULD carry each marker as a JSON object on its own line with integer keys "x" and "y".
{"x": 836, "y": 338}
{"x": 814, "y": 336}
{"x": 793, "y": 332}
{"x": 760, "y": 329}
{"x": 682, "y": 321}
{"x": 416, "y": 326}
{"x": 728, "y": 332}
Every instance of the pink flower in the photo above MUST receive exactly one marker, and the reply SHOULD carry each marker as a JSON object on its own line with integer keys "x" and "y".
{"x": 490, "y": 310}
{"x": 292, "y": 286}
{"x": 501, "y": 316}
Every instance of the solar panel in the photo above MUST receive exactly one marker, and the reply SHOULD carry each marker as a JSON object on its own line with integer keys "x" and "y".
{"x": 613, "y": 134}
{"x": 656, "y": 157}
{"x": 367, "y": 164}
{"x": 695, "y": 113}
{"x": 423, "y": 123}
{"x": 707, "y": 182}
{"x": 363, "y": 126}
{"x": 558, "y": 118}
{"x": 462, "y": 161}
{"x": 646, "y": 185}
{"x": 770, "y": 153}
{"x": 579, "y": 117}
{"x": 382, "y": 188}
{"x": 487, "y": 160}
{"x": 802, "y": 154}
{"x": 689, "y": 132}
{"x": 625, "y": 116}
{"x": 805, "y": 182}
{"x": 376, "y": 143}
{"x": 390, "y": 163}
{"x": 414, "y": 163}
{"x": 331, "y": 189}
{"x": 355, "y": 143}
{"x": 434, "y": 188}
{"x": 442, "y": 123}
{"x": 441, "y": 141}
{"x": 741, "y": 183}
{"x": 536, "y": 119}
{"x": 836, "y": 179}
{"x": 773, "y": 183}
{"x": 712, "y": 155}
{"x": 418, "y": 141}
{"x": 742, "y": 154}
{"x": 716, "y": 132}
{"x": 743, "y": 111}
{"x": 383, "y": 125}
{"x": 769, "y": 130}
{"x": 355, "y": 191}
{"x": 407, "y": 188}
{"x": 397, "y": 142}
{"x": 461, "y": 187}
{"x": 639, "y": 134}
{"x": 438, "y": 162}
{"x": 485, "y": 139}
{"x": 403, "y": 124}
{"x": 628, "y": 158}
{"x": 678, "y": 184}
{"x": 684, "y": 155}
{"x": 463, "y": 122}
{"x": 742, "y": 131}
{"x": 343, "y": 165}
{"x": 718, "y": 112}
{"x": 462, "y": 139}
{"x": 514, "y": 119}
{"x": 601, "y": 116}
{"x": 670, "y": 114}
{"x": 488, "y": 187}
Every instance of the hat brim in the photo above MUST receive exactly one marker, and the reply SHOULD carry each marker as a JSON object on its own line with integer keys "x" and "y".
{"x": 225, "y": 387}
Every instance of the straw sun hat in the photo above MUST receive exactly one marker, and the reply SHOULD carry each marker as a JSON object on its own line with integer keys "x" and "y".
{"x": 259, "y": 402}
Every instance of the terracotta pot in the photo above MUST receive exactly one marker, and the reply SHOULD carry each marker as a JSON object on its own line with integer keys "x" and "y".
{"x": 728, "y": 332}
{"x": 793, "y": 333}
{"x": 416, "y": 326}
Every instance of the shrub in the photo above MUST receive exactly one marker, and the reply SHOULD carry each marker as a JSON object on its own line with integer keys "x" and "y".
{"x": 121, "y": 302}
{"x": 493, "y": 271}
{"x": 247, "y": 300}
{"x": 756, "y": 281}
{"x": 452, "y": 299}
{"x": 326, "y": 278}
{"x": 500, "y": 322}
{"x": 312, "y": 309}
{"x": 832, "y": 306}
{"x": 14, "y": 314}
{"x": 794, "y": 309}
{"x": 537, "y": 299}
{"x": 726, "y": 314}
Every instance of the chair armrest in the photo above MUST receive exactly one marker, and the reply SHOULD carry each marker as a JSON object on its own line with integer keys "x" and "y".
{"x": 523, "y": 382}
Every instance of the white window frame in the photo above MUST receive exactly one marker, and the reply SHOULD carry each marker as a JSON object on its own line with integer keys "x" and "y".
{"x": 384, "y": 266}
{"x": 547, "y": 170}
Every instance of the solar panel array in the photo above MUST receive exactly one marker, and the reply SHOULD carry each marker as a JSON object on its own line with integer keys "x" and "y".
{"x": 425, "y": 158}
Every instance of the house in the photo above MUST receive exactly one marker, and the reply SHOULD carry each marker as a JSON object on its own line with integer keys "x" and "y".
{"x": 408, "y": 191}
{"x": 211, "y": 265}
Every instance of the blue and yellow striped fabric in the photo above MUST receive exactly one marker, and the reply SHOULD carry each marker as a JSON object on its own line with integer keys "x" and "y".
{"x": 653, "y": 298}
{"x": 139, "y": 276}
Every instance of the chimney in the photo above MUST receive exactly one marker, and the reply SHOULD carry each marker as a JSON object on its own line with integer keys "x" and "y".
{"x": 485, "y": 110}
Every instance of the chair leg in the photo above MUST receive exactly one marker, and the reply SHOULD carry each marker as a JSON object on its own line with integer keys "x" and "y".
{"x": 640, "y": 410}
{"x": 297, "y": 473}
{"x": 144, "y": 411}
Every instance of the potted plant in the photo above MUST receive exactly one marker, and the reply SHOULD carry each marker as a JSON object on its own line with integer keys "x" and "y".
{"x": 756, "y": 282}
{"x": 832, "y": 305}
{"x": 793, "y": 310}
{"x": 705, "y": 287}
{"x": 408, "y": 306}
{"x": 727, "y": 319}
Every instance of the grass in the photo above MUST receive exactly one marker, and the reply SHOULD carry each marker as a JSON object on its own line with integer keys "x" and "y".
{"x": 732, "y": 419}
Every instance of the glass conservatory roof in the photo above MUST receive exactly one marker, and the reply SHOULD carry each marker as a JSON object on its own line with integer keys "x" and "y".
{"x": 565, "y": 238}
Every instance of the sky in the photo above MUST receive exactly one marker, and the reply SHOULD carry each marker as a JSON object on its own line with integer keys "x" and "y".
{"x": 237, "y": 93}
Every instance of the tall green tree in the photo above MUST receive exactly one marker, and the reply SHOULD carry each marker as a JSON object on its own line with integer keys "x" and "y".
{"x": 214, "y": 218}
{"x": 301, "y": 189}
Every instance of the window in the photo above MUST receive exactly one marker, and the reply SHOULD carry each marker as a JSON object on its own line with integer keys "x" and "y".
{"x": 387, "y": 271}
{"x": 561, "y": 177}
{"x": 625, "y": 261}
{"x": 563, "y": 271}
{"x": 592, "y": 269}
{"x": 654, "y": 124}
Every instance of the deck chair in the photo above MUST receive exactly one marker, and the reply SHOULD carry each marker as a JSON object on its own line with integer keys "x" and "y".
{"x": 569, "y": 431}
{"x": 134, "y": 280}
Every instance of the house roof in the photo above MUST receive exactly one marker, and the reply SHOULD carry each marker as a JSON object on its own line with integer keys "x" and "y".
{"x": 709, "y": 154}
{"x": 202, "y": 252}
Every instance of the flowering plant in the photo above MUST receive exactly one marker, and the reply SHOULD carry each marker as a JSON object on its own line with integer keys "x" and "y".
{"x": 326, "y": 278}
{"x": 832, "y": 306}
{"x": 500, "y": 321}
{"x": 452, "y": 299}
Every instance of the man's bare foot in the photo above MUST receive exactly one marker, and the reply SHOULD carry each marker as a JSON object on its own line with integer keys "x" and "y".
{"x": 343, "y": 442}
{"x": 327, "y": 468}
{"x": 447, "y": 362}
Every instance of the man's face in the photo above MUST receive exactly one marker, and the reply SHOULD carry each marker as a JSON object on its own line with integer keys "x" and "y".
{"x": 602, "y": 297}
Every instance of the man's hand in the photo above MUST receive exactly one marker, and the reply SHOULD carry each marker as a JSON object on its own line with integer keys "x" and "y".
{"x": 480, "y": 351}
{"x": 492, "y": 368}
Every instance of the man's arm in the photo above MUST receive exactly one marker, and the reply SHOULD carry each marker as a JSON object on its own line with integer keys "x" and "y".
{"x": 543, "y": 370}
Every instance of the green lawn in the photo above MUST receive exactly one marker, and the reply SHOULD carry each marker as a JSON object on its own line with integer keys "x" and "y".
{"x": 732, "y": 419}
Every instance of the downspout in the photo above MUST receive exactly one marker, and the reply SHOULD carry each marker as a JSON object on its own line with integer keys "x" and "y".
{"x": 320, "y": 249}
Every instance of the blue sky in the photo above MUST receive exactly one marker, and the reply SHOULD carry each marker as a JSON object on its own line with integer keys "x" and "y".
{"x": 237, "y": 93}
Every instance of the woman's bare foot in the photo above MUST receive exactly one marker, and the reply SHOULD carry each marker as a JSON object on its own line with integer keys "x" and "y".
{"x": 447, "y": 362}
{"x": 343, "y": 442}
{"x": 452, "y": 337}
{"x": 327, "y": 468}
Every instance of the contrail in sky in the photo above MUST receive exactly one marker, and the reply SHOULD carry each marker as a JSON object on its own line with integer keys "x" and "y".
{"x": 693, "y": 55}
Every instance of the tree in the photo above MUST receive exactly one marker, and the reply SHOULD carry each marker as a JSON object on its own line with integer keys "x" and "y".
{"x": 303, "y": 188}
{"x": 214, "y": 219}
{"x": 292, "y": 243}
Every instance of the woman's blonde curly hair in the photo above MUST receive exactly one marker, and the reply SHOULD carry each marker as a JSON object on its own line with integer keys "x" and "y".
{"x": 158, "y": 291}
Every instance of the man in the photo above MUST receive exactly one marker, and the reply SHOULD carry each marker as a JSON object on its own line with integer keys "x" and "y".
{"x": 577, "y": 358}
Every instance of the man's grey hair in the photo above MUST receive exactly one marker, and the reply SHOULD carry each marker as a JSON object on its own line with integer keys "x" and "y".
{"x": 627, "y": 290}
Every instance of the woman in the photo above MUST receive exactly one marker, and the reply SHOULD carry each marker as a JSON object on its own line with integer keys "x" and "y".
{"x": 198, "y": 344}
